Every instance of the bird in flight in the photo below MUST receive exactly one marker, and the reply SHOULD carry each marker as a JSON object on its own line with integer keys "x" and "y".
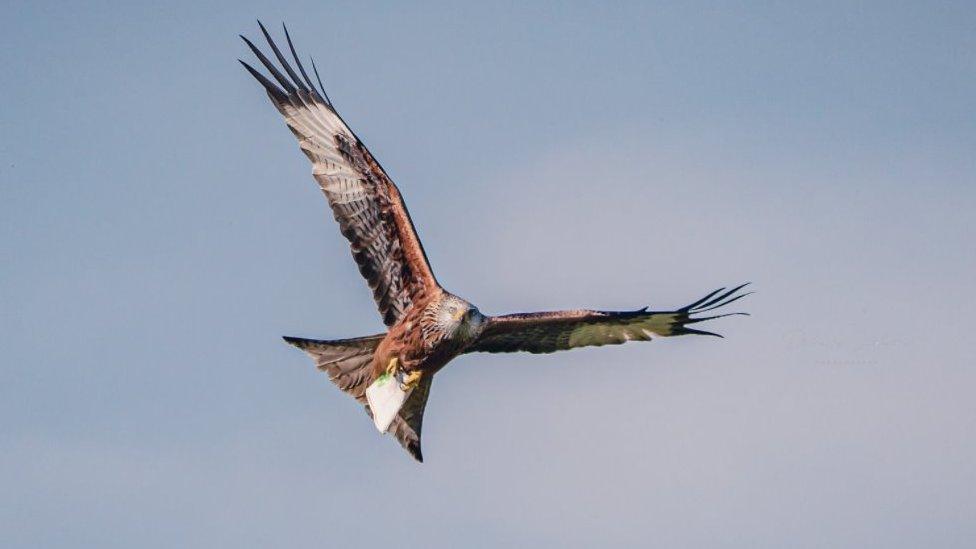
{"x": 427, "y": 326}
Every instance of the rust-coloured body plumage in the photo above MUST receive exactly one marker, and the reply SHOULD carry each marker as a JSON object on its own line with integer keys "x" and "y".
{"x": 405, "y": 342}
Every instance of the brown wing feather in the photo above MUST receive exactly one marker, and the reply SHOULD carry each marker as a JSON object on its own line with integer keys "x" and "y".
{"x": 365, "y": 202}
{"x": 562, "y": 330}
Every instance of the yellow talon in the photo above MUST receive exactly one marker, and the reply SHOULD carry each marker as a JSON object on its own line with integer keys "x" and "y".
{"x": 411, "y": 379}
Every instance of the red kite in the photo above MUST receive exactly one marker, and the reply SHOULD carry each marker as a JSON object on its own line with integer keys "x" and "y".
{"x": 427, "y": 326}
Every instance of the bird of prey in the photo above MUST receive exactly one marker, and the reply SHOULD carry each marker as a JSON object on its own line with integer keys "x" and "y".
{"x": 427, "y": 326}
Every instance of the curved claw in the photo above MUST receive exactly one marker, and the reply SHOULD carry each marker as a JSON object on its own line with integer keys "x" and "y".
{"x": 411, "y": 379}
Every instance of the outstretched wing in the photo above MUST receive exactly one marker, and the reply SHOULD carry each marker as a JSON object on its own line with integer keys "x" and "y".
{"x": 563, "y": 330}
{"x": 365, "y": 202}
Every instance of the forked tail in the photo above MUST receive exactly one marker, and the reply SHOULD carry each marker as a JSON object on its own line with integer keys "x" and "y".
{"x": 349, "y": 365}
{"x": 347, "y": 361}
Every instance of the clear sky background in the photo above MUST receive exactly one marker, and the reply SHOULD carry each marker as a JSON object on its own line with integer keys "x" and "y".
{"x": 159, "y": 232}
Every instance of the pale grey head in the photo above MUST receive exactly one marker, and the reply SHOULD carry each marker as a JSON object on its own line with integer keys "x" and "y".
{"x": 458, "y": 319}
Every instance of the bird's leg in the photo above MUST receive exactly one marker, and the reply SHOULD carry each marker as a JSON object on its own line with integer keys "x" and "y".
{"x": 411, "y": 379}
{"x": 391, "y": 368}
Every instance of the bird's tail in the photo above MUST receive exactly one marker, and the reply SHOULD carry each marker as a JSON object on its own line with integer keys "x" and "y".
{"x": 349, "y": 365}
{"x": 347, "y": 361}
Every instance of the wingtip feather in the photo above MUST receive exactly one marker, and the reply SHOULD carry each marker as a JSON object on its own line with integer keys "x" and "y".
{"x": 269, "y": 86}
{"x": 721, "y": 297}
{"x": 301, "y": 68}
{"x": 281, "y": 59}
{"x": 282, "y": 80}
{"x": 321, "y": 85}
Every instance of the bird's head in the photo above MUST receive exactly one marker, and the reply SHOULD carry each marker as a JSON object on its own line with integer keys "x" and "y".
{"x": 459, "y": 319}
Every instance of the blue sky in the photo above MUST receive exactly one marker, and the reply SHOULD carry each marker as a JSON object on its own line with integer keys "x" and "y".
{"x": 159, "y": 232}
